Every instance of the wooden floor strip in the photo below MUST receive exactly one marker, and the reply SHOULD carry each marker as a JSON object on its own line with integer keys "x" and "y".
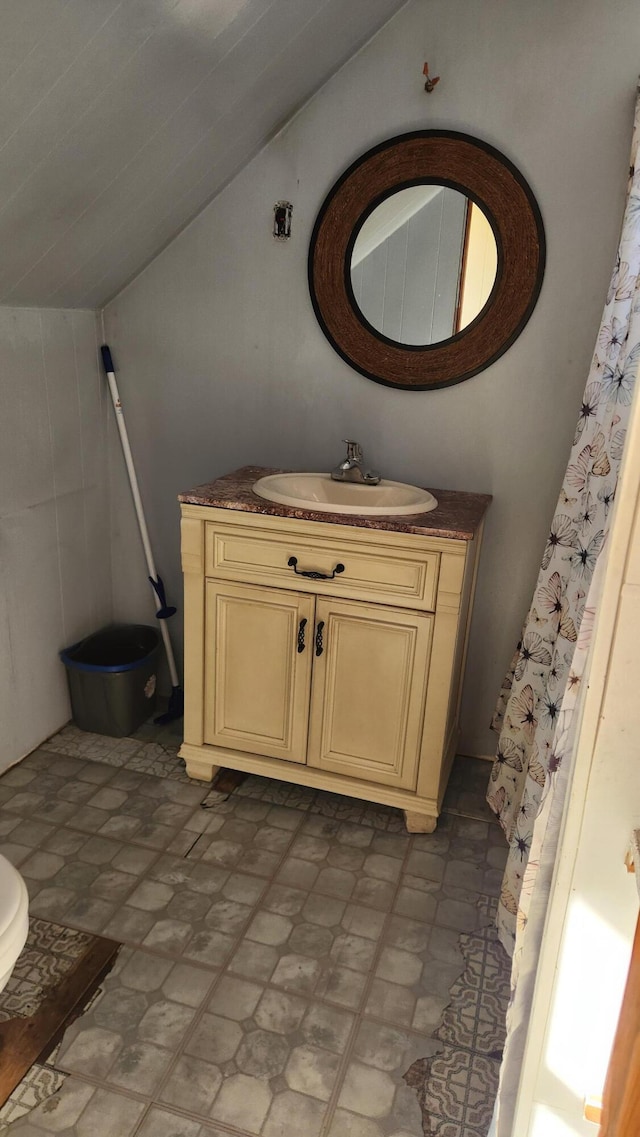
{"x": 226, "y": 781}
{"x": 25, "y": 1040}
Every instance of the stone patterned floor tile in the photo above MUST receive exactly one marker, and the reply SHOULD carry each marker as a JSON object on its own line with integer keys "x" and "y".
{"x": 244, "y": 1102}
{"x": 311, "y": 944}
{"x": 130, "y": 1035}
{"x": 306, "y": 902}
{"x": 156, "y": 755}
{"x": 14, "y": 852}
{"x": 81, "y": 879}
{"x": 39, "y": 1084}
{"x": 157, "y": 758}
{"x": 470, "y": 773}
{"x": 467, "y": 788}
{"x": 293, "y": 1113}
{"x": 89, "y": 913}
{"x": 153, "y": 750}
{"x": 258, "y": 1057}
{"x": 336, "y": 806}
{"x": 277, "y": 792}
{"x": 193, "y": 1085}
{"x": 249, "y": 843}
{"x": 346, "y": 1124}
{"x": 374, "y": 1088}
{"x": 81, "y": 1110}
{"x": 188, "y": 908}
{"x": 447, "y": 871}
{"x": 149, "y": 810}
{"x": 27, "y": 833}
{"x": 46, "y": 761}
{"x": 161, "y": 1123}
{"x": 413, "y": 975}
{"x": 80, "y": 743}
{"x": 327, "y": 858}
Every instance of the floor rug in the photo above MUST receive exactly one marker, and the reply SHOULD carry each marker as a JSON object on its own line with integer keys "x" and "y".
{"x": 54, "y": 978}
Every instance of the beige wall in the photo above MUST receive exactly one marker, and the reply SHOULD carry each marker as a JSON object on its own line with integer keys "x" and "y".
{"x": 222, "y": 361}
{"x": 55, "y": 579}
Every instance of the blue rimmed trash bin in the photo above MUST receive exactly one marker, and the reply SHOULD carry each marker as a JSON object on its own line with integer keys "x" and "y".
{"x": 112, "y": 678}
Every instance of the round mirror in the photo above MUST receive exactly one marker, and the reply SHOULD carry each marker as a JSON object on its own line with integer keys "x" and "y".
{"x": 423, "y": 264}
{"x": 426, "y": 259}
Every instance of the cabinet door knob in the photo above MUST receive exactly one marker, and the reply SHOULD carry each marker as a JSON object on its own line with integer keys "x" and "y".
{"x": 313, "y": 574}
{"x": 319, "y": 643}
{"x": 301, "y": 627}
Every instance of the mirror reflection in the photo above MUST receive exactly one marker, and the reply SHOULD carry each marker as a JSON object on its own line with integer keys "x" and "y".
{"x": 423, "y": 264}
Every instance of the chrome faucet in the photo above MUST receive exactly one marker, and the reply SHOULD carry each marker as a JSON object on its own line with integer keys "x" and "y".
{"x": 350, "y": 469}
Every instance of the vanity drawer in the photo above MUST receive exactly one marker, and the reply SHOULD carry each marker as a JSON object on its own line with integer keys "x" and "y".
{"x": 393, "y": 576}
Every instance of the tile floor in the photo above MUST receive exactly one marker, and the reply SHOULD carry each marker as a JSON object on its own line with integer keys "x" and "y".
{"x": 288, "y": 954}
{"x": 50, "y": 953}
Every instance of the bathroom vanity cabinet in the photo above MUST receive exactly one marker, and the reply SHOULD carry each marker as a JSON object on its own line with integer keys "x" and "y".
{"x": 327, "y": 650}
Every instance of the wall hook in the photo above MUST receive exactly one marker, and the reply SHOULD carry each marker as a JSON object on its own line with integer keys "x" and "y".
{"x": 282, "y": 211}
{"x": 430, "y": 82}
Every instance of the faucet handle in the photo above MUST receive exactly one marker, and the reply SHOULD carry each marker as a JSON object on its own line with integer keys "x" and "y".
{"x": 354, "y": 450}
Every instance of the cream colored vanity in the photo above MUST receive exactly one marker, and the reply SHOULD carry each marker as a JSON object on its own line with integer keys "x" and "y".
{"x": 327, "y": 650}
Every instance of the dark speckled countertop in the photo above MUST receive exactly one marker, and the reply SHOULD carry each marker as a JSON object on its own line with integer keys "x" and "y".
{"x": 457, "y": 514}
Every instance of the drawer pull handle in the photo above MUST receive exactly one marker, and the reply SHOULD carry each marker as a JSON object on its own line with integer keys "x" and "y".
{"x": 319, "y": 643}
{"x": 301, "y": 627}
{"x": 311, "y": 574}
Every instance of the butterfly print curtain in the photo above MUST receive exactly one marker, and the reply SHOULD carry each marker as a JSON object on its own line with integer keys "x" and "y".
{"x": 542, "y": 674}
{"x": 535, "y": 713}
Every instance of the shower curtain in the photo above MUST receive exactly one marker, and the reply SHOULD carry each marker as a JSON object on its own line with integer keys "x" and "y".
{"x": 535, "y": 715}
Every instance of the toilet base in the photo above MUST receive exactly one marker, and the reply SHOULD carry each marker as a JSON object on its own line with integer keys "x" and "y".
{"x": 14, "y": 934}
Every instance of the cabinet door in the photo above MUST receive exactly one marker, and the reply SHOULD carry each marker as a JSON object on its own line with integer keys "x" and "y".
{"x": 257, "y": 681}
{"x": 369, "y": 684}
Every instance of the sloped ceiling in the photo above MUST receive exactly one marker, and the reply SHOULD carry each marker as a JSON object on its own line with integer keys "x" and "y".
{"x": 121, "y": 119}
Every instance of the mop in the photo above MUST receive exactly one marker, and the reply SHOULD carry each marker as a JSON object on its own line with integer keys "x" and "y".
{"x": 176, "y": 702}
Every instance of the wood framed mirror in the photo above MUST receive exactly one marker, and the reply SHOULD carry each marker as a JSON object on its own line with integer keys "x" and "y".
{"x": 426, "y": 259}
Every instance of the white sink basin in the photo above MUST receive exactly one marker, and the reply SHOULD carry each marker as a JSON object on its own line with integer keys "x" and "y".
{"x": 319, "y": 493}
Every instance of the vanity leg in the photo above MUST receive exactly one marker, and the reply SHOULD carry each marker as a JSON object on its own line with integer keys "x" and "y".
{"x": 419, "y": 822}
{"x": 202, "y": 769}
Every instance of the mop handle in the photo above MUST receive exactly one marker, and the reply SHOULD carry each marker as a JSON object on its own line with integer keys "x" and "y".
{"x": 107, "y": 362}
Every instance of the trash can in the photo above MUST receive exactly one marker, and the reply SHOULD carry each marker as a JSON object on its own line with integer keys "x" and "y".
{"x": 112, "y": 678}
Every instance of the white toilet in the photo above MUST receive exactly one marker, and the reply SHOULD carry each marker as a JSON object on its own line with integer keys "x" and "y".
{"x": 14, "y": 918}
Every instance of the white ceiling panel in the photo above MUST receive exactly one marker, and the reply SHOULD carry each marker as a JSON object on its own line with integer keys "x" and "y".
{"x": 121, "y": 119}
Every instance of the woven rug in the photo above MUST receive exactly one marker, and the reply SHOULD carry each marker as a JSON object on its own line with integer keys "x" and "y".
{"x": 53, "y": 980}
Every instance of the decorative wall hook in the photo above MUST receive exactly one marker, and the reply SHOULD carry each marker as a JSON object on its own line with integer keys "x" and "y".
{"x": 282, "y": 211}
{"x": 430, "y": 83}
